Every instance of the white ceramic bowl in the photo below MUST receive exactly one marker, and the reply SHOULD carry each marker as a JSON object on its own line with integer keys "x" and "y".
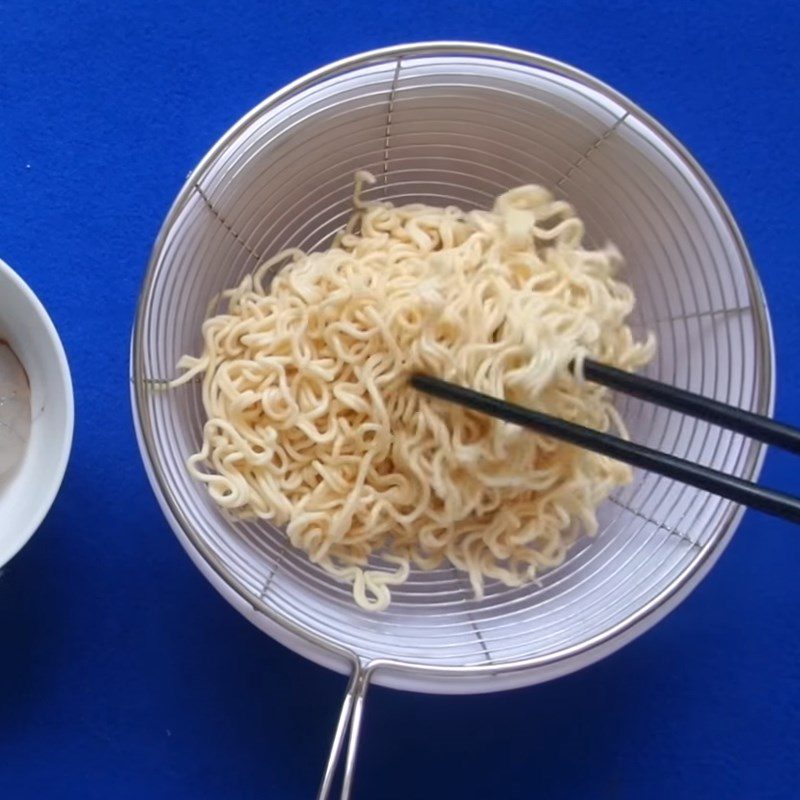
{"x": 27, "y": 493}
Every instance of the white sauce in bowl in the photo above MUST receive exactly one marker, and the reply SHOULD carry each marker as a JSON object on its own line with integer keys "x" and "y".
{"x": 15, "y": 409}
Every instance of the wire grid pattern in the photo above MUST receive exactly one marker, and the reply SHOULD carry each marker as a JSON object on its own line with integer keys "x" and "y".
{"x": 460, "y": 126}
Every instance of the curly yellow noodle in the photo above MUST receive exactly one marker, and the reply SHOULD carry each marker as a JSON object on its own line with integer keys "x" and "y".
{"x": 311, "y": 423}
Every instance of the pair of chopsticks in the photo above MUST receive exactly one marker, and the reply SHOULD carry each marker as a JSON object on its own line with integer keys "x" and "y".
{"x": 753, "y": 425}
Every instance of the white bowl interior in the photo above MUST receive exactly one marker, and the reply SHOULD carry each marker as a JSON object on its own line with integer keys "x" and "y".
{"x": 27, "y": 492}
{"x": 461, "y": 128}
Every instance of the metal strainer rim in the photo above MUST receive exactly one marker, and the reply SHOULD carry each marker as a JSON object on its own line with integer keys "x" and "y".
{"x": 571, "y": 657}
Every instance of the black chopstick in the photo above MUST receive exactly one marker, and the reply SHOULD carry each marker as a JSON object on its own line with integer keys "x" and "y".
{"x": 732, "y": 488}
{"x": 736, "y": 419}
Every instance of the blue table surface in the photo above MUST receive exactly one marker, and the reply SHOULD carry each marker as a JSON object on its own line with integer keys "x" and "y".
{"x": 122, "y": 673}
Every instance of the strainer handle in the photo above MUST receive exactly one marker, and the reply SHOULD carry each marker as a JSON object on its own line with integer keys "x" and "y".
{"x": 349, "y": 720}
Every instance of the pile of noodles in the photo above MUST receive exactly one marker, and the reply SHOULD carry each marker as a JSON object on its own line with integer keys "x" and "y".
{"x": 311, "y": 422}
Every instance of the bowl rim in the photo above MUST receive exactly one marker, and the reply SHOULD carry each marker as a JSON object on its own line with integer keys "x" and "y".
{"x": 57, "y": 358}
{"x": 426, "y": 677}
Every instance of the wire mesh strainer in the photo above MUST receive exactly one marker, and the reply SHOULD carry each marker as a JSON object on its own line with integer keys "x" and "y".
{"x": 460, "y": 123}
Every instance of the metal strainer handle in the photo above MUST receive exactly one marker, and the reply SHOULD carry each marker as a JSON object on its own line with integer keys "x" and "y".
{"x": 349, "y": 726}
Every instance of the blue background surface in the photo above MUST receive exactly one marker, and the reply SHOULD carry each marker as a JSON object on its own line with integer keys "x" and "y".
{"x": 122, "y": 673}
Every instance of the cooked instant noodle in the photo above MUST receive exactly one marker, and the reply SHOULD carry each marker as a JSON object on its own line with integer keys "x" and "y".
{"x": 312, "y": 424}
